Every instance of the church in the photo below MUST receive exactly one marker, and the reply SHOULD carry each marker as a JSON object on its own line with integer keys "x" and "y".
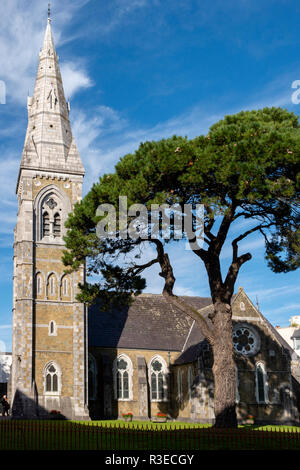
{"x": 143, "y": 359}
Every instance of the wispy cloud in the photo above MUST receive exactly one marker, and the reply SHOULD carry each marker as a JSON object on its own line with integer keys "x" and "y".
{"x": 21, "y": 35}
{"x": 293, "y": 307}
{"x": 103, "y": 135}
{"x": 74, "y": 78}
{"x": 118, "y": 12}
{"x": 278, "y": 291}
{"x": 8, "y": 205}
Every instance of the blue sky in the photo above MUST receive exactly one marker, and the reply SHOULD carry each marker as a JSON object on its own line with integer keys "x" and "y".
{"x": 139, "y": 70}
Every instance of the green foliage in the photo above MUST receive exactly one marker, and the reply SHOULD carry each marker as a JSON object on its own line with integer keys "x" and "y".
{"x": 247, "y": 166}
{"x": 117, "y": 288}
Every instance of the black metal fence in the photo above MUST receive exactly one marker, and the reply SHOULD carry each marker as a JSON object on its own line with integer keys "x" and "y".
{"x": 68, "y": 435}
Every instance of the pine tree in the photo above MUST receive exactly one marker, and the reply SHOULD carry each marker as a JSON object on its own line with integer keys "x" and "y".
{"x": 245, "y": 168}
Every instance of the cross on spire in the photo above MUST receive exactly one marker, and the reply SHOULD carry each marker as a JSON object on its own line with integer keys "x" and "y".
{"x": 49, "y": 12}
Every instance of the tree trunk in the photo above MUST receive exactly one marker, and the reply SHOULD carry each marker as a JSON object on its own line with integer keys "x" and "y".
{"x": 224, "y": 368}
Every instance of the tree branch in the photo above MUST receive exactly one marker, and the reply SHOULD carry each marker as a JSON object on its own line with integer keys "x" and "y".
{"x": 139, "y": 268}
{"x": 210, "y": 224}
{"x": 193, "y": 313}
{"x": 186, "y": 308}
{"x": 244, "y": 235}
{"x": 234, "y": 270}
{"x": 223, "y": 230}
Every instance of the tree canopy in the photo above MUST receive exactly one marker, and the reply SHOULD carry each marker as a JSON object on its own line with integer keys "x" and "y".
{"x": 246, "y": 167}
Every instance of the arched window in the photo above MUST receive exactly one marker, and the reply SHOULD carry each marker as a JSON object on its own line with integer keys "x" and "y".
{"x": 190, "y": 381}
{"x": 51, "y": 285}
{"x": 65, "y": 287}
{"x": 158, "y": 382}
{"x": 286, "y": 401}
{"x": 261, "y": 383}
{"x": 52, "y": 379}
{"x": 92, "y": 378}
{"x": 237, "y": 394}
{"x": 123, "y": 378}
{"x": 46, "y": 225}
{"x": 51, "y": 207}
{"x": 57, "y": 225}
{"x": 39, "y": 284}
{"x": 179, "y": 386}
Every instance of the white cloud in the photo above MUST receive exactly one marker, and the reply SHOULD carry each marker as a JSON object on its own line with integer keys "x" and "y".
{"x": 103, "y": 136}
{"x": 181, "y": 290}
{"x": 8, "y": 199}
{"x": 121, "y": 10}
{"x": 73, "y": 78}
{"x": 294, "y": 307}
{"x": 270, "y": 293}
{"x": 22, "y": 28}
{"x": 245, "y": 246}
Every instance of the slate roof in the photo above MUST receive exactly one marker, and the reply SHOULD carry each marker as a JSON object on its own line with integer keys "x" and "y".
{"x": 153, "y": 323}
{"x": 149, "y": 323}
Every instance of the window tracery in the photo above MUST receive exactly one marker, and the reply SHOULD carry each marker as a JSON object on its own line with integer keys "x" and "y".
{"x": 158, "y": 382}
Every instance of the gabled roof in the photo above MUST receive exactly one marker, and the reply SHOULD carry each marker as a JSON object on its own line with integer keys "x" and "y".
{"x": 153, "y": 323}
{"x": 149, "y": 323}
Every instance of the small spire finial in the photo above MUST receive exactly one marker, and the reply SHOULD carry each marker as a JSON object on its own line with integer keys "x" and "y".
{"x": 49, "y": 12}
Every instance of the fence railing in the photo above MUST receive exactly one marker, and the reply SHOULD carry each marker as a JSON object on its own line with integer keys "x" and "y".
{"x": 68, "y": 435}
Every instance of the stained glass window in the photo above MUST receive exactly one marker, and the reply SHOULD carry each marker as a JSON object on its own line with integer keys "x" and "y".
{"x": 51, "y": 379}
{"x": 92, "y": 388}
{"x": 260, "y": 383}
{"x": 157, "y": 380}
{"x": 123, "y": 379}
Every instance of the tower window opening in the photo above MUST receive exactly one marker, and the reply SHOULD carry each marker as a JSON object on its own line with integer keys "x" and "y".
{"x": 46, "y": 224}
{"x": 57, "y": 225}
{"x": 52, "y": 331}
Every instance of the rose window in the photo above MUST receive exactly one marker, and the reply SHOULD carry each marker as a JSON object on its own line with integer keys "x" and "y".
{"x": 245, "y": 340}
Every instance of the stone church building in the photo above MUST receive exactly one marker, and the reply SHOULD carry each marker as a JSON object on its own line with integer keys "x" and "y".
{"x": 142, "y": 359}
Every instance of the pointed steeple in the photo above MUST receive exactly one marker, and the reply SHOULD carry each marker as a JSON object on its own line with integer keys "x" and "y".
{"x": 49, "y": 143}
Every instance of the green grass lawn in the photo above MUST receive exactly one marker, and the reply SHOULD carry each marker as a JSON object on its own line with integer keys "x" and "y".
{"x": 182, "y": 424}
{"x": 145, "y": 424}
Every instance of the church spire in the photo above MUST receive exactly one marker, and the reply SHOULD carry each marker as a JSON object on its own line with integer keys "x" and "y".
{"x": 49, "y": 144}
{"x": 48, "y": 39}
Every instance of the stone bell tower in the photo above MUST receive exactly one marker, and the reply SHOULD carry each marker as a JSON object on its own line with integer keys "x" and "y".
{"x": 49, "y": 325}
